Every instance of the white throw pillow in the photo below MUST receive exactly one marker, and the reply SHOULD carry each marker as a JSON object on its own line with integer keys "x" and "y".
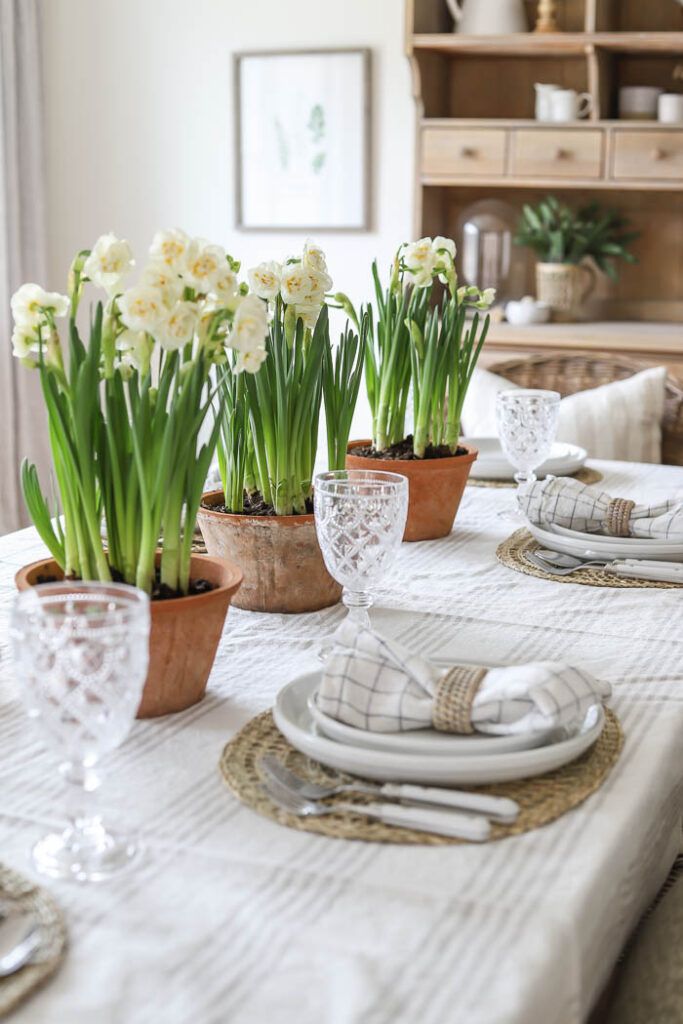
{"x": 619, "y": 421}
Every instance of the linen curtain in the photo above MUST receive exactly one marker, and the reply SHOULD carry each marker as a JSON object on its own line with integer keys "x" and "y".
{"x": 22, "y": 245}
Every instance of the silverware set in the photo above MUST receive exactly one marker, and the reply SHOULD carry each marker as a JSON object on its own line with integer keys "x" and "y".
{"x": 19, "y": 938}
{"x": 558, "y": 564}
{"x": 457, "y": 813}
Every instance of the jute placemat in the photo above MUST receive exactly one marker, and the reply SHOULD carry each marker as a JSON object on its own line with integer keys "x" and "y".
{"x": 14, "y": 888}
{"x": 584, "y": 476}
{"x": 541, "y": 800}
{"x": 512, "y": 553}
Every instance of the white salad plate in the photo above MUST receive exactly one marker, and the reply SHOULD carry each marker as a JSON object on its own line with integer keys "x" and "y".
{"x": 491, "y": 463}
{"x": 422, "y": 741}
{"x": 588, "y": 545}
{"x": 294, "y": 720}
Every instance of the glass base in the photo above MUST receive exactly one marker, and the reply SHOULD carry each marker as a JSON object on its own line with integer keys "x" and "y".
{"x": 85, "y": 853}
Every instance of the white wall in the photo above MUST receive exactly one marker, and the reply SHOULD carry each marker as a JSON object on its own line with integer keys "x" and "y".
{"x": 139, "y": 112}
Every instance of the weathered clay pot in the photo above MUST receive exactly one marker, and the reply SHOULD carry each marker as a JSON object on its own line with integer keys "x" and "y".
{"x": 283, "y": 565}
{"x": 435, "y": 487}
{"x": 184, "y": 635}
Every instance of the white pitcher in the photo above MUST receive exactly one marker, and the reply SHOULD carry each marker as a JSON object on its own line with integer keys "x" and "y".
{"x": 488, "y": 17}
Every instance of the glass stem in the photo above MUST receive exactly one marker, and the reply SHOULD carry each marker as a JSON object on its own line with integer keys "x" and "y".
{"x": 358, "y": 602}
{"x": 526, "y": 477}
{"x": 84, "y": 820}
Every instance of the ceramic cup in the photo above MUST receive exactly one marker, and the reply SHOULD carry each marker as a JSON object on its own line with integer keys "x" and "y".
{"x": 544, "y": 93}
{"x": 639, "y": 102}
{"x": 670, "y": 108}
{"x": 569, "y": 105}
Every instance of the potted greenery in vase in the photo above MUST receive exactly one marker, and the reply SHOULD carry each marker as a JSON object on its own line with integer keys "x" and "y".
{"x": 263, "y": 515}
{"x": 431, "y": 349}
{"x": 132, "y": 432}
{"x": 563, "y": 239}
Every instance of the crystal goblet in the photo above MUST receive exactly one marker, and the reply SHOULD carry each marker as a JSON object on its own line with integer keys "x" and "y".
{"x": 81, "y": 651}
{"x": 527, "y": 424}
{"x": 360, "y": 516}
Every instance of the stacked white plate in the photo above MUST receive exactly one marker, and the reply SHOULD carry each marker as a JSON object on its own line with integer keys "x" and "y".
{"x": 491, "y": 463}
{"x": 424, "y": 756}
{"x": 597, "y": 545}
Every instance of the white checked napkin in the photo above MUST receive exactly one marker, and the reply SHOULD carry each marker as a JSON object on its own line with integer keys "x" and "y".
{"x": 576, "y": 506}
{"x": 376, "y": 684}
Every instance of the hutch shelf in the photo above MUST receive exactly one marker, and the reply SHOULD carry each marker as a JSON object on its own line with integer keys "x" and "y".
{"x": 477, "y": 139}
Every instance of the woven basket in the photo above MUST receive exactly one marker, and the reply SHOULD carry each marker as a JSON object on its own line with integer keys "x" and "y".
{"x": 571, "y": 373}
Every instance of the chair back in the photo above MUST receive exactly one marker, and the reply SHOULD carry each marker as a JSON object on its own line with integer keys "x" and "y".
{"x": 571, "y": 373}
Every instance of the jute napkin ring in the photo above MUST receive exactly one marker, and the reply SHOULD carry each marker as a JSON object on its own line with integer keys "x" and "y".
{"x": 453, "y": 699}
{"x": 618, "y": 516}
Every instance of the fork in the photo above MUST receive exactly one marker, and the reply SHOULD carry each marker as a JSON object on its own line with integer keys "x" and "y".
{"x": 540, "y": 563}
{"x": 497, "y": 808}
{"x": 422, "y": 819}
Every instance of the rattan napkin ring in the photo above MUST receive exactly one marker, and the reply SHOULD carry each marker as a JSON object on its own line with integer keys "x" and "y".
{"x": 618, "y": 517}
{"x": 455, "y": 693}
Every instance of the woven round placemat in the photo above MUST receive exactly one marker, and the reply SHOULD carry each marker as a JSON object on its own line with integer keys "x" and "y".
{"x": 16, "y": 889}
{"x": 541, "y": 800}
{"x": 512, "y": 554}
{"x": 584, "y": 476}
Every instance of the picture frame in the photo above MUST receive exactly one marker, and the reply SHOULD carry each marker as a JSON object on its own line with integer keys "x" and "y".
{"x": 302, "y": 140}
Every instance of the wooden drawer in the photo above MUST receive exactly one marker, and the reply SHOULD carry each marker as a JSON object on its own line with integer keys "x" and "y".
{"x": 557, "y": 154}
{"x": 657, "y": 155}
{"x": 457, "y": 152}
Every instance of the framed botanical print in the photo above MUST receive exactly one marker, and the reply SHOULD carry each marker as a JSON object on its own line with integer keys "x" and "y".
{"x": 303, "y": 140}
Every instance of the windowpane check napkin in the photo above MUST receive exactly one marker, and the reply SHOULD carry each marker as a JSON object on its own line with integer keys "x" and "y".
{"x": 576, "y": 506}
{"x": 376, "y": 684}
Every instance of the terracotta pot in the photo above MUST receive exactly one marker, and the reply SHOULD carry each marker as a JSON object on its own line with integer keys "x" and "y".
{"x": 184, "y": 635}
{"x": 435, "y": 487}
{"x": 283, "y": 565}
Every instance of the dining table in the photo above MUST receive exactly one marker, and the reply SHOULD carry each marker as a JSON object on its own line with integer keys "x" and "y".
{"x": 231, "y": 918}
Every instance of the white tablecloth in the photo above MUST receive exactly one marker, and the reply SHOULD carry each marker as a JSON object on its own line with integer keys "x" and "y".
{"x": 231, "y": 918}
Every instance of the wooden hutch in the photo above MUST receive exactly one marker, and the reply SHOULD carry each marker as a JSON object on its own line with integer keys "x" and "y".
{"x": 477, "y": 139}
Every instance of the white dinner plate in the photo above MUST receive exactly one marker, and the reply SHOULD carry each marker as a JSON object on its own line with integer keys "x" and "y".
{"x": 422, "y": 741}
{"x": 491, "y": 463}
{"x": 294, "y": 720}
{"x": 588, "y": 545}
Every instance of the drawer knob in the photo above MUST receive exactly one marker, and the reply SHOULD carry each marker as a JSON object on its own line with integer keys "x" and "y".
{"x": 468, "y": 152}
{"x": 562, "y": 154}
{"x": 659, "y": 153}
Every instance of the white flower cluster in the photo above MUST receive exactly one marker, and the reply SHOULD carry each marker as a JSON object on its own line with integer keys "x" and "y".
{"x": 300, "y": 281}
{"x": 429, "y": 258}
{"x": 188, "y": 292}
{"x": 34, "y": 311}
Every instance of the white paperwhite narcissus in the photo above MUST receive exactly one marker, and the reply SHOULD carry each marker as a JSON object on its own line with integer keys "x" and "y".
{"x": 250, "y": 361}
{"x": 135, "y": 350}
{"x": 264, "y": 280}
{"x": 249, "y": 326}
{"x": 171, "y": 248}
{"x": 164, "y": 279}
{"x": 420, "y": 258}
{"x": 204, "y": 265}
{"x": 314, "y": 257}
{"x": 178, "y": 327}
{"x": 226, "y": 287}
{"x": 30, "y": 301}
{"x": 142, "y": 308}
{"x": 109, "y": 263}
{"x": 309, "y": 314}
{"x": 302, "y": 286}
{"x": 25, "y": 341}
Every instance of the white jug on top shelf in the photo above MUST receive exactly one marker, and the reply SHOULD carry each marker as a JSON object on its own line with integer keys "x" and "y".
{"x": 488, "y": 17}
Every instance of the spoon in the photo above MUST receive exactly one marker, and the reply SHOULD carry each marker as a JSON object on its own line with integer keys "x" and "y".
{"x": 561, "y": 561}
{"x": 19, "y": 939}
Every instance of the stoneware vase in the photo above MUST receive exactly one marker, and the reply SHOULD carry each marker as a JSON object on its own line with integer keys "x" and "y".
{"x": 435, "y": 488}
{"x": 564, "y": 287}
{"x": 184, "y": 635}
{"x": 280, "y": 556}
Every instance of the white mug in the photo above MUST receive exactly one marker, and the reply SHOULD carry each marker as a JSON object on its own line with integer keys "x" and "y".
{"x": 670, "y": 108}
{"x": 639, "y": 102}
{"x": 569, "y": 105}
{"x": 543, "y": 97}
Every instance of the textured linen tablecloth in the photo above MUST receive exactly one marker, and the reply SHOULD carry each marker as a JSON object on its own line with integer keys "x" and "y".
{"x": 231, "y": 918}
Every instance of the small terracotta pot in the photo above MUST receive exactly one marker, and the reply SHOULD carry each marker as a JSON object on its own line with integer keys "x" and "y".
{"x": 435, "y": 487}
{"x": 184, "y": 635}
{"x": 283, "y": 565}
